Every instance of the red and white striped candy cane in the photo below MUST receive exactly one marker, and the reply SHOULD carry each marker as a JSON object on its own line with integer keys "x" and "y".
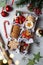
{"x": 5, "y": 28}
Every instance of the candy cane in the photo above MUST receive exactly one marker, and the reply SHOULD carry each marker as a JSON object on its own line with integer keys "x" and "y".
{"x": 5, "y": 28}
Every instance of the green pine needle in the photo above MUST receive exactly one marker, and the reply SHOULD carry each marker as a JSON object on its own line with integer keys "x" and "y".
{"x": 35, "y": 3}
{"x": 33, "y": 61}
{"x": 21, "y": 2}
{"x": 37, "y": 56}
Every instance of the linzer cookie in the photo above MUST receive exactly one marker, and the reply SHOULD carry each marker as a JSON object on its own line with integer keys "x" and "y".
{"x": 15, "y": 31}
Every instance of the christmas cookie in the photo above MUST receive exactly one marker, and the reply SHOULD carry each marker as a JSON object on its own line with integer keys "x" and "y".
{"x": 15, "y": 31}
{"x": 30, "y": 18}
{"x": 13, "y": 44}
{"x": 26, "y": 34}
{"x": 24, "y": 46}
{"x": 29, "y": 24}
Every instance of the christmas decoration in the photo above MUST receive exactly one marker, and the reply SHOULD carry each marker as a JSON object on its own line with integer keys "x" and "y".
{"x": 37, "y": 11}
{"x": 12, "y": 2}
{"x": 4, "y": 14}
{"x": 5, "y": 28}
{"x": 11, "y": 55}
{"x": 9, "y": 8}
{"x": 36, "y": 58}
{"x": 32, "y": 5}
{"x": 20, "y": 2}
{"x": 4, "y": 61}
{"x": 17, "y": 62}
{"x": 39, "y": 32}
{"x": 31, "y": 62}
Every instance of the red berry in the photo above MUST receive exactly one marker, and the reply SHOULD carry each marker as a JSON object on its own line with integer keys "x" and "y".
{"x": 37, "y": 11}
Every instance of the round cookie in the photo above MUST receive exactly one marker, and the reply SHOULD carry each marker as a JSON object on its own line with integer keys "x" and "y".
{"x": 30, "y": 18}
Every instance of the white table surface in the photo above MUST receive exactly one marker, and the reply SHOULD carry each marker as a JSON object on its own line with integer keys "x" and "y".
{"x": 35, "y": 48}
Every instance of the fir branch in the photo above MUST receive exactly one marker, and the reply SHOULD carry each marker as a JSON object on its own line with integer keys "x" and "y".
{"x": 31, "y": 62}
{"x": 35, "y": 3}
{"x": 22, "y": 2}
{"x": 36, "y": 57}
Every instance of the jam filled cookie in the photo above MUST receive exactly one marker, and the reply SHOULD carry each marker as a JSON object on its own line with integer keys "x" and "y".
{"x": 26, "y": 34}
{"x": 29, "y": 24}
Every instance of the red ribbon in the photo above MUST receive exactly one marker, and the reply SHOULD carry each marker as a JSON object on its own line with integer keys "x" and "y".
{"x": 12, "y": 2}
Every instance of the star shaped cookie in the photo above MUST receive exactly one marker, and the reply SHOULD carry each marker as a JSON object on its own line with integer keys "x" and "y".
{"x": 13, "y": 44}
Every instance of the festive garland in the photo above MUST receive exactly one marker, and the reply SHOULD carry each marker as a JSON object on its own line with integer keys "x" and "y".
{"x": 34, "y": 5}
